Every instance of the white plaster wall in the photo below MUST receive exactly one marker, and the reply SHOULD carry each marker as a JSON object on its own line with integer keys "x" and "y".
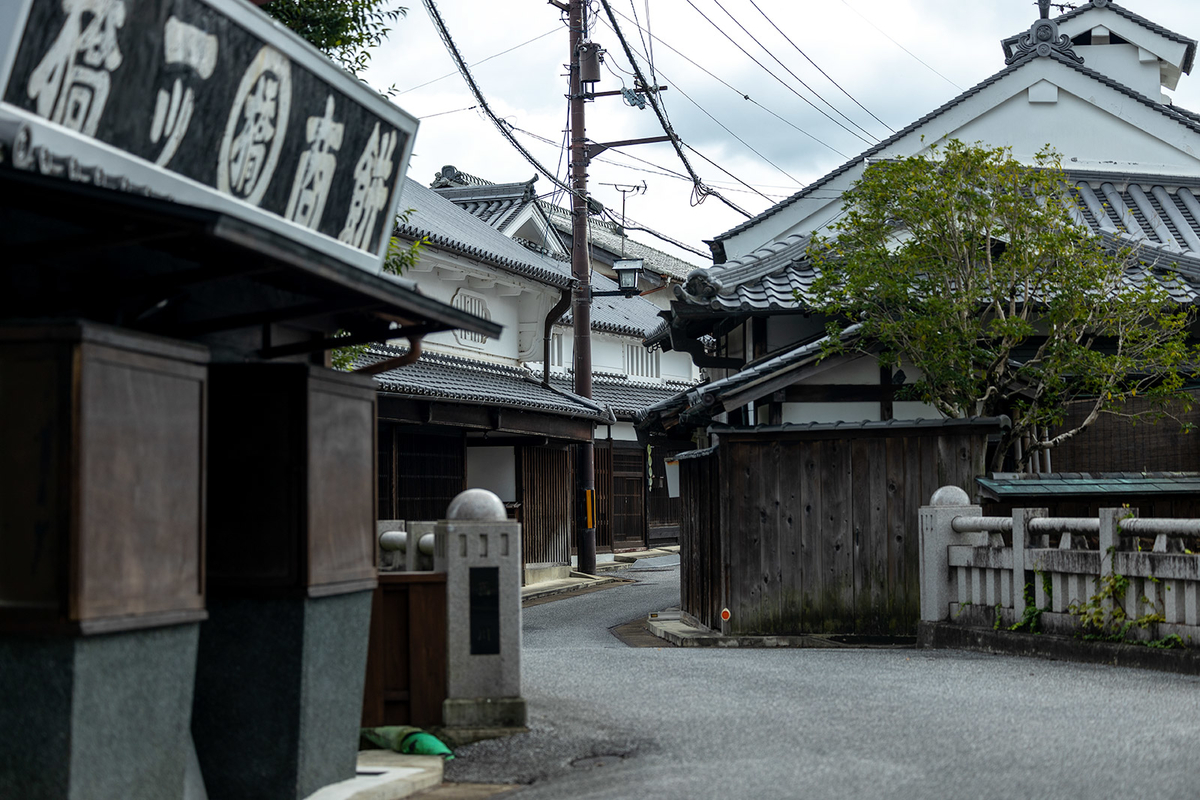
{"x": 674, "y": 365}
{"x": 1121, "y": 63}
{"x": 830, "y": 412}
{"x": 863, "y": 371}
{"x": 495, "y": 469}
{"x": 914, "y": 409}
{"x": 621, "y": 432}
{"x": 1121, "y": 134}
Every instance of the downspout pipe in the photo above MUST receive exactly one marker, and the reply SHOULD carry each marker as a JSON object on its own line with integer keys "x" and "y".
{"x": 554, "y": 316}
{"x": 414, "y": 352}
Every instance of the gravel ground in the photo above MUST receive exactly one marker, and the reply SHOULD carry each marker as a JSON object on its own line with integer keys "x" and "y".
{"x": 710, "y": 723}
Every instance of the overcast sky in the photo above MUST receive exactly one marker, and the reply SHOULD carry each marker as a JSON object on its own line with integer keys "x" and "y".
{"x": 784, "y": 141}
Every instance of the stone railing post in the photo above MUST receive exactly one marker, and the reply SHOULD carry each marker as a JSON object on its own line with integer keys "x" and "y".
{"x": 1020, "y": 543}
{"x": 936, "y": 534}
{"x": 479, "y": 549}
{"x": 1110, "y": 542}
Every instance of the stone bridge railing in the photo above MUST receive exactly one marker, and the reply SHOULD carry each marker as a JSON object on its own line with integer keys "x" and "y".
{"x": 1115, "y": 576}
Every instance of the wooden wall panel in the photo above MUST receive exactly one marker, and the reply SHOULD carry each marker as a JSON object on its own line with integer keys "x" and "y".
{"x": 342, "y": 504}
{"x": 406, "y": 661}
{"x": 817, "y": 534}
{"x": 140, "y": 525}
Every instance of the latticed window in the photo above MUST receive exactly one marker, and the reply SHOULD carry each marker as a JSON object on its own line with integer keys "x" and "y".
{"x": 472, "y": 304}
{"x": 641, "y": 362}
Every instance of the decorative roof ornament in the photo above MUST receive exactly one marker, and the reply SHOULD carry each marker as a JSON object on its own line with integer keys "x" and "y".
{"x": 1043, "y": 39}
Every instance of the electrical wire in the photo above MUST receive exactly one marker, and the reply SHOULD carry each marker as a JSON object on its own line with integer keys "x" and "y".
{"x": 902, "y": 47}
{"x": 477, "y": 63}
{"x": 744, "y": 143}
{"x": 781, "y": 81}
{"x": 818, "y": 66}
{"x": 662, "y": 172}
{"x": 475, "y": 90}
{"x": 444, "y": 113}
{"x": 747, "y": 97}
{"x": 699, "y": 191}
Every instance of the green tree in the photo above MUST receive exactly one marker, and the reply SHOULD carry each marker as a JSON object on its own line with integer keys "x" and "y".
{"x": 344, "y": 30}
{"x": 972, "y": 266}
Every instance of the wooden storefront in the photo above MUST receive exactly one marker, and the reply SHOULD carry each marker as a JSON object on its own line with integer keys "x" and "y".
{"x": 813, "y": 528}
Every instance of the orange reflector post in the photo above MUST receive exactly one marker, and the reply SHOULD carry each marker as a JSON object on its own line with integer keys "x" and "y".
{"x": 591, "y": 507}
{"x": 725, "y": 615}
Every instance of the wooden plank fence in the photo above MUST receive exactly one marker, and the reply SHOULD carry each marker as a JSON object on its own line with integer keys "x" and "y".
{"x": 813, "y": 529}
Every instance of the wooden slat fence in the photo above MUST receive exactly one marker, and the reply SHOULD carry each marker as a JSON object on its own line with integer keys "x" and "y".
{"x": 814, "y": 530}
{"x": 547, "y": 490}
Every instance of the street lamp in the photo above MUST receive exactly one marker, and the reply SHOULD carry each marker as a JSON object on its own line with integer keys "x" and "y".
{"x": 628, "y": 271}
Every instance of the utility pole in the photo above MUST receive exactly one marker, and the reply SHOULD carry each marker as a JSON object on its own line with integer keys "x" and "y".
{"x": 581, "y": 296}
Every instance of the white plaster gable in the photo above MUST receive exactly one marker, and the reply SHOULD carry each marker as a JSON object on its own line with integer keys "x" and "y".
{"x": 1042, "y": 101}
{"x": 1167, "y": 56}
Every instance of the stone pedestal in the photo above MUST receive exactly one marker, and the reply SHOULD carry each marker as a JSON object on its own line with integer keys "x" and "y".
{"x": 291, "y": 567}
{"x": 101, "y": 576}
{"x": 479, "y": 549}
{"x": 279, "y": 691}
{"x": 97, "y": 717}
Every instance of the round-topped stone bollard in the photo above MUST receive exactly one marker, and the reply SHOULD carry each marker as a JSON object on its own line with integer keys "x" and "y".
{"x": 949, "y": 496}
{"x": 476, "y": 505}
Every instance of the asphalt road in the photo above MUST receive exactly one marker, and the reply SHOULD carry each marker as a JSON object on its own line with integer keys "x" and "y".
{"x": 703, "y": 723}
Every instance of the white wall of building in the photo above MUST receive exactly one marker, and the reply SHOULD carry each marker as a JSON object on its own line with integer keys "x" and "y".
{"x": 494, "y": 469}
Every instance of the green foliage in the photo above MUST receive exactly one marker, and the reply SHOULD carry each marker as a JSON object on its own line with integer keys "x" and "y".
{"x": 400, "y": 257}
{"x": 1102, "y": 616}
{"x": 1031, "y": 620}
{"x": 969, "y": 265}
{"x": 344, "y": 30}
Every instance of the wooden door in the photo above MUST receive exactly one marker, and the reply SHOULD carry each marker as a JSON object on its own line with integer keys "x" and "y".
{"x": 628, "y": 496}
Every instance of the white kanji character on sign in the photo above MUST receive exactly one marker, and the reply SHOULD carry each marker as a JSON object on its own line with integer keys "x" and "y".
{"x": 256, "y": 128}
{"x": 187, "y": 46}
{"x": 314, "y": 174}
{"x": 371, "y": 175}
{"x": 71, "y": 82}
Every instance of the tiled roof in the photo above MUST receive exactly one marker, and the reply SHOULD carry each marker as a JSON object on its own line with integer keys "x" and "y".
{"x": 462, "y": 380}
{"x": 703, "y": 402}
{"x": 1157, "y": 214}
{"x": 607, "y": 236}
{"x": 1132, "y": 17}
{"x": 448, "y": 228}
{"x": 1186, "y": 118}
{"x": 997, "y": 423}
{"x": 625, "y": 316}
{"x": 1081, "y": 484}
{"x": 626, "y": 396}
{"x": 495, "y": 204}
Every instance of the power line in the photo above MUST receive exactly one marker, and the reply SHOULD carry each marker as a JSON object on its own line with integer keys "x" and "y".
{"x": 701, "y": 191}
{"x": 477, "y": 63}
{"x": 902, "y": 47}
{"x": 773, "y": 75}
{"x": 747, "y": 97}
{"x": 475, "y": 90}
{"x": 740, "y": 139}
{"x": 787, "y": 69}
{"x": 444, "y": 113}
{"x": 815, "y": 64}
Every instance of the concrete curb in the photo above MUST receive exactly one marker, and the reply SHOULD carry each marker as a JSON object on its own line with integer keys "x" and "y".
{"x": 384, "y": 775}
{"x": 581, "y": 580}
{"x": 681, "y": 634}
{"x": 944, "y": 636}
